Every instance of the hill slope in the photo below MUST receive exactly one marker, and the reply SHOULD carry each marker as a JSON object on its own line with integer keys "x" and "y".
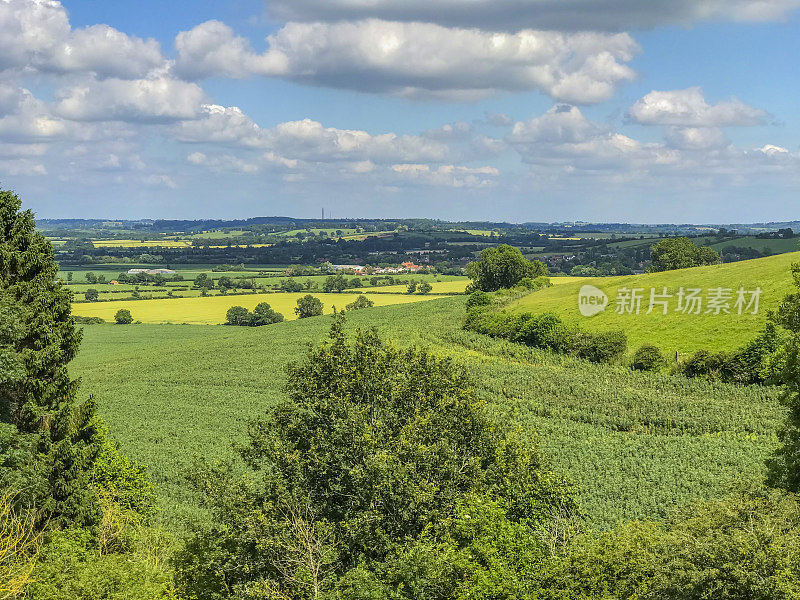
{"x": 637, "y": 444}
{"x": 677, "y": 331}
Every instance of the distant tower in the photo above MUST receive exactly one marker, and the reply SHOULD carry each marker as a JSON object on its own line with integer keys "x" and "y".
{"x": 323, "y": 214}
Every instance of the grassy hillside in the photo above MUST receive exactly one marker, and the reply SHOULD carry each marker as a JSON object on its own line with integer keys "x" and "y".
{"x": 212, "y": 310}
{"x": 676, "y": 331}
{"x": 637, "y": 444}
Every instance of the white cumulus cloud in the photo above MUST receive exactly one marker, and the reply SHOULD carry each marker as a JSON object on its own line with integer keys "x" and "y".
{"x": 688, "y": 108}
{"x": 418, "y": 60}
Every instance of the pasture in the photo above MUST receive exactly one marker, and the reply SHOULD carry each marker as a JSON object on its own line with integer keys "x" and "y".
{"x": 676, "y": 331}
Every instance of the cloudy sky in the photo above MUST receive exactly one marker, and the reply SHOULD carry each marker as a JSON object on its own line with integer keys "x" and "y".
{"x": 520, "y": 110}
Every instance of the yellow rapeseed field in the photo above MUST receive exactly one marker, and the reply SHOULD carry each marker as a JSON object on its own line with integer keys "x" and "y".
{"x": 212, "y": 310}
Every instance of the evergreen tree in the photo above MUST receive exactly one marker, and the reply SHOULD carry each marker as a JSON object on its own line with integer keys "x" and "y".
{"x": 47, "y": 442}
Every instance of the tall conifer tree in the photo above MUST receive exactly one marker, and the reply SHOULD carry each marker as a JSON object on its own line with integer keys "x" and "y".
{"x": 48, "y": 439}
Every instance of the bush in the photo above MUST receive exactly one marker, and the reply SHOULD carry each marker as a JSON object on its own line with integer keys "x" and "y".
{"x": 359, "y": 303}
{"x": 425, "y": 288}
{"x": 262, "y": 315}
{"x": 123, "y": 317}
{"x": 478, "y": 298}
{"x": 704, "y": 364}
{"x": 88, "y": 320}
{"x": 534, "y": 284}
{"x": 600, "y": 347}
{"x": 545, "y": 331}
{"x": 648, "y": 358}
{"x": 238, "y": 315}
{"x": 308, "y": 306}
{"x": 92, "y": 295}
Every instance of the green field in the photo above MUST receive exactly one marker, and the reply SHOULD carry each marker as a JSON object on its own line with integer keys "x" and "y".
{"x": 211, "y": 310}
{"x": 637, "y": 444}
{"x": 676, "y": 331}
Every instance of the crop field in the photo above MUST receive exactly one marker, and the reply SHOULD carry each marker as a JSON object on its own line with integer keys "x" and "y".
{"x": 676, "y": 330}
{"x": 212, "y": 310}
{"x": 141, "y": 244}
{"x": 636, "y": 444}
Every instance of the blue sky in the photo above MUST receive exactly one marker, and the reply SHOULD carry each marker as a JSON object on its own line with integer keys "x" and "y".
{"x": 482, "y": 109}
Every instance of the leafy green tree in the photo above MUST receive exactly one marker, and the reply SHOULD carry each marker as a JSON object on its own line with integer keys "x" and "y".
{"x": 681, "y": 253}
{"x": 263, "y": 314}
{"x": 335, "y": 283}
{"x": 412, "y": 287}
{"x": 784, "y": 466}
{"x": 374, "y": 452}
{"x": 225, "y": 283}
{"x": 238, "y": 315}
{"x": 359, "y": 303}
{"x": 308, "y": 306}
{"x": 291, "y": 285}
{"x": 123, "y": 317}
{"x": 69, "y": 276}
{"x": 203, "y": 281}
{"x": 424, "y": 288}
{"x": 48, "y": 445}
{"x": 92, "y": 295}
{"x": 91, "y": 277}
{"x": 502, "y": 267}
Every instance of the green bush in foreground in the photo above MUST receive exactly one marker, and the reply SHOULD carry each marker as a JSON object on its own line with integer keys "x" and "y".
{"x": 648, "y": 358}
{"x": 370, "y": 463}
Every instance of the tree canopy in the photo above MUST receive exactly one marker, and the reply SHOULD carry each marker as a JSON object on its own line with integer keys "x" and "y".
{"x": 503, "y": 267}
{"x": 681, "y": 253}
{"x": 373, "y": 453}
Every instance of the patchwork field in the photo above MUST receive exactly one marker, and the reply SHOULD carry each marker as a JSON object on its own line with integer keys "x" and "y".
{"x": 676, "y": 330}
{"x": 211, "y": 310}
{"x": 637, "y": 444}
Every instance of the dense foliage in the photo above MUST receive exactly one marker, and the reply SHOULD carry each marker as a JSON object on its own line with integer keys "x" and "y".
{"x": 47, "y": 443}
{"x": 503, "y": 267}
{"x": 681, "y": 253}
{"x": 784, "y": 467}
{"x": 371, "y": 459}
{"x": 308, "y": 306}
{"x": 359, "y": 303}
{"x": 262, "y": 314}
{"x": 547, "y": 332}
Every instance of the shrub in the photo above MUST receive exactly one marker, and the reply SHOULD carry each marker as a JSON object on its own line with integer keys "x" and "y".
{"x": 263, "y": 314}
{"x": 359, "y": 303}
{"x": 704, "y": 364}
{"x": 600, "y": 347}
{"x": 123, "y": 317}
{"x": 425, "y": 288}
{"x": 534, "y": 283}
{"x": 648, "y": 358}
{"x": 308, "y": 306}
{"x": 545, "y": 331}
{"x": 92, "y": 295}
{"x": 88, "y": 320}
{"x": 238, "y": 315}
{"x": 478, "y": 298}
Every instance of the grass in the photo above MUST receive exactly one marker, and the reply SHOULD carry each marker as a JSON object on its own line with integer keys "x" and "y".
{"x": 637, "y": 444}
{"x": 211, "y": 310}
{"x": 675, "y": 332}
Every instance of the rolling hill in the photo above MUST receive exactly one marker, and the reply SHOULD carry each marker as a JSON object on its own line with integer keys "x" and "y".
{"x": 636, "y": 444}
{"x": 677, "y": 331}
